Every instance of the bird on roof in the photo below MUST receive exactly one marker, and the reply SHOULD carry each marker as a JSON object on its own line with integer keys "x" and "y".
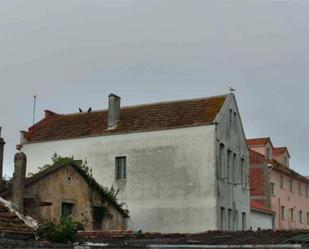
{"x": 80, "y": 110}
{"x": 89, "y": 110}
{"x": 232, "y": 89}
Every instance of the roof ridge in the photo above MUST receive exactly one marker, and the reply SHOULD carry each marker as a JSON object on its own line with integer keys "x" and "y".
{"x": 146, "y": 104}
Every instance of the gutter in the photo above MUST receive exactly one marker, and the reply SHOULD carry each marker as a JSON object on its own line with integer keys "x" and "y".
{"x": 277, "y": 246}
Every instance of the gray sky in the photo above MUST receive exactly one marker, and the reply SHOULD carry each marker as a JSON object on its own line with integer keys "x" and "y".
{"x": 74, "y": 53}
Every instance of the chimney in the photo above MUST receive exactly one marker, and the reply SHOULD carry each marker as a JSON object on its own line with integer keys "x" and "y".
{"x": 113, "y": 110}
{"x": 19, "y": 177}
{"x": 2, "y": 143}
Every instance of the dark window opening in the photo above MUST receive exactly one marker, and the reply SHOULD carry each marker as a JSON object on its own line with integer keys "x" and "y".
{"x": 121, "y": 168}
{"x": 67, "y": 209}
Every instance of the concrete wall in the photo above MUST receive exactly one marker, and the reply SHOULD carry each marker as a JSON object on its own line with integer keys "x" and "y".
{"x": 284, "y": 197}
{"x": 261, "y": 220}
{"x": 171, "y": 174}
{"x": 233, "y": 185}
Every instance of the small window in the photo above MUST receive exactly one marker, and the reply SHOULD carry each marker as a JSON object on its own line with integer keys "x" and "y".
{"x": 243, "y": 221}
{"x": 242, "y": 171}
{"x": 300, "y": 216}
{"x": 282, "y": 213}
{"x": 299, "y": 188}
{"x": 235, "y": 121}
{"x": 67, "y": 209}
{"x": 307, "y": 218}
{"x": 229, "y": 168}
{"x": 236, "y": 225}
{"x": 121, "y": 168}
{"x": 221, "y": 160}
{"x": 272, "y": 188}
{"x": 292, "y": 214}
{"x": 222, "y": 218}
{"x": 291, "y": 185}
{"x": 234, "y": 168}
{"x": 231, "y": 118}
{"x": 307, "y": 192}
{"x": 230, "y": 217}
{"x": 282, "y": 182}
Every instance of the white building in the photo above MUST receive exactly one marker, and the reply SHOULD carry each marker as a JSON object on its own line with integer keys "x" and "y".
{"x": 261, "y": 217}
{"x": 181, "y": 166}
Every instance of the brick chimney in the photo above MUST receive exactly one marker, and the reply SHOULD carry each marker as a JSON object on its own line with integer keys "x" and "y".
{"x": 2, "y": 143}
{"x": 113, "y": 111}
{"x": 19, "y": 177}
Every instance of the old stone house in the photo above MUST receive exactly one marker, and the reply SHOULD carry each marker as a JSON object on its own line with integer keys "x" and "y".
{"x": 180, "y": 166}
{"x": 65, "y": 189}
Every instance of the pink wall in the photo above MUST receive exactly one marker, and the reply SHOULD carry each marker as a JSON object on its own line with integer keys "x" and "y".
{"x": 284, "y": 197}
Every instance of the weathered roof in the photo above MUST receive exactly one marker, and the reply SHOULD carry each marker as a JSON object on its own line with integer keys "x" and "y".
{"x": 258, "y": 141}
{"x": 147, "y": 117}
{"x": 129, "y": 239}
{"x": 280, "y": 151}
{"x": 89, "y": 179}
{"x": 10, "y": 223}
{"x": 260, "y": 207}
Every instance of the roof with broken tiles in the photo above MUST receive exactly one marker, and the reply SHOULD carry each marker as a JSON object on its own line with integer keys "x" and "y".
{"x": 146, "y": 117}
{"x": 131, "y": 239}
{"x": 11, "y": 222}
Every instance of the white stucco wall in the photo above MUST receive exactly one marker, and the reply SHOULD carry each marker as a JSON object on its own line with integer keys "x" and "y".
{"x": 233, "y": 191}
{"x": 261, "y": 220}
{"x": 171, "y": 174}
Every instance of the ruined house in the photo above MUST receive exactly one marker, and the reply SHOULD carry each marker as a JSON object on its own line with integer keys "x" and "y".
{"x": 181, "y": 166}
{"x": 64, "y": 189}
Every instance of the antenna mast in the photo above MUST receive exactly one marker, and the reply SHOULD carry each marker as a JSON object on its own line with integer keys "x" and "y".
{"x": 34, "y": 106}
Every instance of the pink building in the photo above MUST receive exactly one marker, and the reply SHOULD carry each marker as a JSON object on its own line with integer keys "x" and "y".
{"x": 275, "y": 185}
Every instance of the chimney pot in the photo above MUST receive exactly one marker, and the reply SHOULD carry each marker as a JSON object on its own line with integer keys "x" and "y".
{"x": 113, "y": 110}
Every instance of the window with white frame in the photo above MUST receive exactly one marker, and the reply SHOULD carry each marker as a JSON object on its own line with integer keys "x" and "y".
{"x": 121, "y": 168}
{"x": 282, "y": 213}
{"x": 300, "y": 216}
{"x": 272, "y": 188}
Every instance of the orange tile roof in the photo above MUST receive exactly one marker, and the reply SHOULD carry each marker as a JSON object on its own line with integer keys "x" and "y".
{"x": 258, "y": 141}
{"x": 148, "y": 117}
{"x": 280, "y": 150}
{"x": 256, "y": 205}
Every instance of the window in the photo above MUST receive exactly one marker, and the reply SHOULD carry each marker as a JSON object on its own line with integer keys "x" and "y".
{"x": 235, "y": 221}
{"x": 243, "y": 221}
{"x": 67, "y": 209}
{"x": 234, "y": 168}
{"x": 229, "y": 168}
{"x": 292, "y": 214}
{"x": 282, "y": 182}
{"x": 291, "y": 185}
{"x": 272, "y": 188}
{"x": 221, "y": 157}
{"x": 231, "y": 118}
{"x": 299, "y": 188}
{"x": 235, "y": 121}
{"x": 282, "y": 213}
{"x": 230, "y": 220}
{"x": 307, "y": 191}
{"x": 242, "y": 171}
{"x": 307, "y": 218}
{"x": 222, "y": 218}
{"x": 121, "y": 168}
{"x": 300, "y": 216}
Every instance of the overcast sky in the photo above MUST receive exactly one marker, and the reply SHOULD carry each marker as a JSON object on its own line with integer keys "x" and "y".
{"x": 74, "y": 53}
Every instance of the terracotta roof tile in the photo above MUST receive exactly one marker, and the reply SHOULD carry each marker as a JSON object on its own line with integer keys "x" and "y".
{"x": 259, "y": 206}
{"x": 164, "y": 115}
{"x": 11, "y": 223}
{"x": 257, "y": 141}
{"x": 280, "y": 150}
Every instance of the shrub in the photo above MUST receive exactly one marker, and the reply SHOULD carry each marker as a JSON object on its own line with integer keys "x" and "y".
{"x": 65, "y": 231}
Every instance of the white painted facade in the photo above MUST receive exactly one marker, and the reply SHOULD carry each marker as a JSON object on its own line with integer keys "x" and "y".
{"x": 261, "y": 220}
{"x": 173, "y": 180}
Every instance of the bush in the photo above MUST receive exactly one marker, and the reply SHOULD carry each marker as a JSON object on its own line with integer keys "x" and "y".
{"x": 65, "y": 231}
